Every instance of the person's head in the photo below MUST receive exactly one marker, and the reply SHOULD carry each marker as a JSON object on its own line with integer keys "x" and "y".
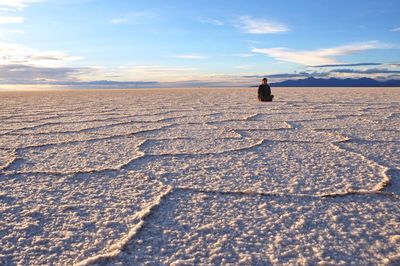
{"x": 264, "y": 81}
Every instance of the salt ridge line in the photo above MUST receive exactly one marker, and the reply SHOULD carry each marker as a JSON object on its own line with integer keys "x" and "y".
{"x": 386, "y": 179}
{"x": 118, "y": 167}
{"x": 9, "y": 162}
{"x": 81, "y": 130}
{"x": 141, "y": 155}
{"x": 293, "y": 195}
{"x": 115, "y": 249}
{"x": 107, "y": 137}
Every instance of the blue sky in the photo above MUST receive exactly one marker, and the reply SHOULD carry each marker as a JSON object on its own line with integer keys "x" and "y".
{"x": 47, "y": 41}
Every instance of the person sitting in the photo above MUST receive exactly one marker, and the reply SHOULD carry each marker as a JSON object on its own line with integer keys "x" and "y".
{"x": 264, "y": 92}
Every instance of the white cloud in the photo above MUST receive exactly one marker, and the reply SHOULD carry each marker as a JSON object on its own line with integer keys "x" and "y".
{"x": 319, "y": 56}
{"x": 152, "y": 69}
{"x": 191, "y": 56}
{"x": 12, "y": 53}
{"x": 245, "y": 55}
{"x": 153, "y": 72}
{"x": 211, "y": 21}
{"x": 14, "y": 5}
{"x": 252, "y": 41}
{"x": 118, "y": 21}
{"x": 9, "y": 20}
{"x": 16, "y": 31}
{"x": 260, "y": 26}
{"x": 395, "y": 29}
{"x": 245, "y": 67}
{"x": 30, "y": 74}
{"x": 134, "y": 18}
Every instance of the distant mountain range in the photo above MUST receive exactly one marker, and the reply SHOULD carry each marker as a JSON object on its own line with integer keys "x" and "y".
{"x": 334, "y": 82}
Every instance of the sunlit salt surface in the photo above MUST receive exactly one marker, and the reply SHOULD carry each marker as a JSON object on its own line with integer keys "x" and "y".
{"x": 200, "y": 176}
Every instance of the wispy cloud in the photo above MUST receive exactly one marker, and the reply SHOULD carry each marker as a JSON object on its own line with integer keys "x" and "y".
{"x": 245, "y": 67}
{"x": 134, "y": 18}
{"x": 395, "y": 29}
{"x": 252, "y": 41}
{"x": 156, "y": 72}
{"x": 23, "y": 74}
{"x": 16, "y": 31}
{"x": 10, "y": 20}
{"x": 191, "y": 56}
{"x": 155, "y": 68}
{"x": 283, "y": 76}
{"x": 320, "y": 56}
{"x": 15, "y": 5}
{"x": 244, "y": 55}
{"x": 12, "y": 53}
{"x": 119, "y": 21}
{"x": 212, "y": 21}
{"x": 348, "y": 65}
{"x": 260, "y": 26}
{"x": 367, "y": 71}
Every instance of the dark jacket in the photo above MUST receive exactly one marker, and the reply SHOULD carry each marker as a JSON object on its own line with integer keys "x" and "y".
{"x": 264, "y": 91}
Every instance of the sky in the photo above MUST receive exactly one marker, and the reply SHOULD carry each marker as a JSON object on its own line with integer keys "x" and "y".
{"x": 202, "y": 42}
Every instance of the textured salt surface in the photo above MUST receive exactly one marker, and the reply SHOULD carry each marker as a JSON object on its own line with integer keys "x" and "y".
{"x": 203, "y": 228}
{"x": 200, "y": 176}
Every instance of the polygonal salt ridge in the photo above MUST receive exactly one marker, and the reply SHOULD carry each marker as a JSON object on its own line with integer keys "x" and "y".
{"x": 26, "y": 114}
{"x": 250, "y": 125}
{"x": 204, "y": 117}
{"x": 271, "y": 167}
{"x": 28, "y": 119}
{"x": 197, "y": 145}
{"x": 372, "y": 132}
{"x": 9, "y": 127}
{"x": 334, "y": 123}
{"x": 71, "y": 218}
{"x": 293, "y": 135}
{"x": 191, "y": 130}
{"x": 7, "y": 156}
{"x": 16, "y": 141}
{"x": 291, "y": 230}
{"x": 60, "y": 127}
{"x": 129, "y": 128}
{"x": 298, "y": 116}
{"x": 385, "y": 153}
{"x": 385, "y": 124}
{"x": 70, "y": 118}
{"x": 87, "y": 156}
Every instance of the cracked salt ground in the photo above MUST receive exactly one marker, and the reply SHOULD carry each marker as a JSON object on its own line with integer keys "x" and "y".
{"x": 295, "y": 116}
{"x": 64, "y": 219}
{"x": 191, "y": 228}
{"x": 336, "y": 123}
{"x": 297, "y": 135}
{"x": 14, "y": 141}
{"x": 196, "y": 146}
{"x": 385, "y": 153}
{"x": 367, "y": 134}
{"x": 269, "y": 167}
{"x": 93, "y": 155}
{"x": 128, "y": 128}
{"x": 199, "y": 131}
{"x": 230, "y": 125}
{"x": 6, "y": 157}
{"x": 189, "y": 177}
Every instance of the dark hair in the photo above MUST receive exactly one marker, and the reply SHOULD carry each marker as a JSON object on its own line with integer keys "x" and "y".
{"x": 265, "y": 79}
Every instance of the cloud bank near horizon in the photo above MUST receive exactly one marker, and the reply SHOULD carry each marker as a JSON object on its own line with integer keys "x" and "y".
{"x": 324, "y": 56}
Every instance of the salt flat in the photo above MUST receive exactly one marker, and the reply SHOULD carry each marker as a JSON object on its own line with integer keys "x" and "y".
{"x": 200, "y": 176}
